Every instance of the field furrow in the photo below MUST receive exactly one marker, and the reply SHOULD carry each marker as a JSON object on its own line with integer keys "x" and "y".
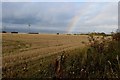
{"x": 29, "y": 50}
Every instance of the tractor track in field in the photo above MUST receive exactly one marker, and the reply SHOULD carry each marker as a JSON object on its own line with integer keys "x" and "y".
{"x": 19, "y": 60}
{"x": 38, "y": 53}
{"x": 42, "y": 51}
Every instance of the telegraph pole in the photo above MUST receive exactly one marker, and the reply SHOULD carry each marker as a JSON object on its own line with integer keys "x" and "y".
{"x": 4, "y": 28}
{"x": 29, "y": 27}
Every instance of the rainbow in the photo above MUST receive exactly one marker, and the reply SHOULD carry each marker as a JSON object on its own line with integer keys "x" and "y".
{"x": 74, "y": 21}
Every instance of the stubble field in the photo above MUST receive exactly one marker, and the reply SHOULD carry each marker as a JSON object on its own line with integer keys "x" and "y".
{"x": 25, "y": 55}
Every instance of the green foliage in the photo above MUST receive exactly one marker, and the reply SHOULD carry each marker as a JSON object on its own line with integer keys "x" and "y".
{"x": 98, "y": 34}
{"x": 101, "y": 59}
{"x": 10, "y": 46}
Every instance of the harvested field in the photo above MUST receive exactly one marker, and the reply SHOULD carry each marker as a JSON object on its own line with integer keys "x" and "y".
{"x": 25, "y": 54}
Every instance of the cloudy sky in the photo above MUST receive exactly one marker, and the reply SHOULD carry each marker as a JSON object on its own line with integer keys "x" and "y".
{"x": 63, "y": 17}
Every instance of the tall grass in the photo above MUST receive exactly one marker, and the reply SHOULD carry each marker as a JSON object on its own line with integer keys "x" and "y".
{"x": 100, "y": 59}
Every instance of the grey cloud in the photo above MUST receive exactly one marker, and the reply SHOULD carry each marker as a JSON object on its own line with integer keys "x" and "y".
{"x": 32, "y": 12}
{"x": 27, "y": 20}
{"x": 56, "y": 16}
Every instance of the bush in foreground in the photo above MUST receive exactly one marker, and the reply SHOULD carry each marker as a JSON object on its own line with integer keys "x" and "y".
{"x": 101, "y": 59}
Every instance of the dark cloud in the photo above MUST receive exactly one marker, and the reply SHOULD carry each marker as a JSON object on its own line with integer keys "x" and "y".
{"x": 55, "y": 17}
{"x": 27, "y": 20}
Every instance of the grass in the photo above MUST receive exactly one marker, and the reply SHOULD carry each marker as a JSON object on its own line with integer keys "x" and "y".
{"x": 64, "y": 56}
{"x": 12, "y": 42}
{"x": 99, "y": 60}
{"x": 10, "y": 47}
{"x": 22, "y": 61}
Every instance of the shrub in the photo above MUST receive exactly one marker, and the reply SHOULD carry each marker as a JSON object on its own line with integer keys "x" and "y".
{"x": 101, "y": 59}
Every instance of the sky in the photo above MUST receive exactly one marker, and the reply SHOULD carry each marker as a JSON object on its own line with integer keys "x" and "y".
{"x": 62, "y": 17}
{"x": 59, "y": 0}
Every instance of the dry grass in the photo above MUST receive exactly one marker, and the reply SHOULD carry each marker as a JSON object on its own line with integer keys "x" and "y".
{"x": 100, "y": 59}
{"x": 60, "y": 56}
{"x": 22, "y": 53}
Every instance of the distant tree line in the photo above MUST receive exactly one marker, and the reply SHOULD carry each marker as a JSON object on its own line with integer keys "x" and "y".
{"x": 92, "y": 33}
